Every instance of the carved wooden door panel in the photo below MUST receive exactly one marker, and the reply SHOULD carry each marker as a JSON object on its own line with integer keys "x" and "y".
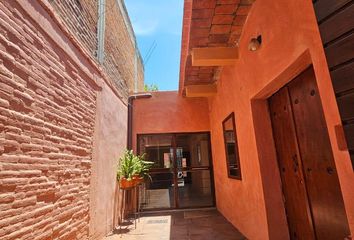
{"x": 305, "y": 158}
{"x": 293, "y": 184}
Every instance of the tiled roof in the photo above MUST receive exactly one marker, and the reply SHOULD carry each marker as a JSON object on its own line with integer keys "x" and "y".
{"x": 209, "y": 23}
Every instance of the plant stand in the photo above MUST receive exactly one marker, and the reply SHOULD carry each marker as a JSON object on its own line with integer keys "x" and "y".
{"x": 123, "y": 206}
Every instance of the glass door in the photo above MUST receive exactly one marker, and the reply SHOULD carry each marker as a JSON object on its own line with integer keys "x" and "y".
{"x": 194, "y": 176}
{"x": 181, "y": 174}
{"x": 160, "y": 192}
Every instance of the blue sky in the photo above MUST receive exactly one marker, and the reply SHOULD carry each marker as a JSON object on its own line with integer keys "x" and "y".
{"x": 158, "y": 21}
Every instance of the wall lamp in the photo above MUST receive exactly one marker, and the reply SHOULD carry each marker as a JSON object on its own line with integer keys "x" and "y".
{"x": 255, "y": 43}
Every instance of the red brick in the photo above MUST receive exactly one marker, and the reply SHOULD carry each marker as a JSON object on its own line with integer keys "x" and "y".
{"x": 228, "y": 1}
{"x": 25, "y": 203}
{"x": 6, "y": 88}
{"x": 199, "y": 42}
{"x": 201, "y": 23}
{"x": 218, "y": 38}
{"x": 6, "y": 198}
{"x": 17, "y": 232}
{"x": 220, "y": 29}
{"x": 197, "y": 4}
{"x": 226, "y": 9}
{"x": 236, "y": 29}
{"x": 200, "y": 33}
{"x": 18, "y": 138}
{"x": 243, "y": 10}
{"x": 4, "y": 103}
{"x": 203, "y": 13}
{"x": 223, "y": 19}
{"x": 5, "y": 73}
{"x": 205, "y": 76}
{"x": 234, "y": 38}
{"x": 239, "y": 20}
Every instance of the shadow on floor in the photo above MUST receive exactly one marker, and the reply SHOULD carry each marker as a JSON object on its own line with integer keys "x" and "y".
{"x": 184, "y": 225}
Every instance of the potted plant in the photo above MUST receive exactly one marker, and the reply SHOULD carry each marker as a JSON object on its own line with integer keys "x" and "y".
{"x": 126, "y": 170}
{"x": 141, "y": 170}
{"x": 132, "y": 169}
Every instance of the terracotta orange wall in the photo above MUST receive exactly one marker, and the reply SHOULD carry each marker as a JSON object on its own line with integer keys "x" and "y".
{"x": 291, "y": 42}
{"x": 167, "y": 112}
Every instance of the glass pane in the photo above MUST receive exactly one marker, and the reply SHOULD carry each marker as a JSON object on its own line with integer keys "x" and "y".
{"x": 194, "y": 189}
{"x": 157, "y": 149}
{"x": 159, "y": 192}
{"x": 192, "y": 150}
{"x": 190, "y": 170}
{"x": 231, "y": 146}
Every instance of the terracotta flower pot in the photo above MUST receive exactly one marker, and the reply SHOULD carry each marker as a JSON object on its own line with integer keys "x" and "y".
{"x": 125, "y": 183}
{"x": 137, "y": 179}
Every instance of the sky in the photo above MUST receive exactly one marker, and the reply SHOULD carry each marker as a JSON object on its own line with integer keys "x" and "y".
{"x": 158, "y": 23}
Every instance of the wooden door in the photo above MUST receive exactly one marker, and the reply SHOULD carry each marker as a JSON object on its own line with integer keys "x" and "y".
{"x": 313, "y": 199}
{"x": 294, "y": 190}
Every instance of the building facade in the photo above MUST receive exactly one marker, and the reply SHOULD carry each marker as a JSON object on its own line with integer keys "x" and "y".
{"x": 261, "y": 126}
{"x": 272, "y": 82}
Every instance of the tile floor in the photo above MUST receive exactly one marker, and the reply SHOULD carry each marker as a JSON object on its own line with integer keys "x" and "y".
{"x": 184, "y": 225}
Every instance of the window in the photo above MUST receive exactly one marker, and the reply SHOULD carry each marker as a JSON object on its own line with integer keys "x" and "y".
{"x": 231, "y": 148}
{"x": 157, "y": 148}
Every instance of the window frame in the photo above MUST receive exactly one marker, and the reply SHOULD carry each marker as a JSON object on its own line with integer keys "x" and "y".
{"x": 237, "y": 156}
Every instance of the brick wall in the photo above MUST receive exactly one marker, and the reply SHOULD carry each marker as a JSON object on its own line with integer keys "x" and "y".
{"x": 62, "y": 118}
{"x": 115, "y": 53}
{"x": 48, "y": 97}
{"x": 81, "y": 16}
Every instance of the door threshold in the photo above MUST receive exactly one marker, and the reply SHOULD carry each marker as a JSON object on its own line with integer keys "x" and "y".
{"x": 178, "y": 210}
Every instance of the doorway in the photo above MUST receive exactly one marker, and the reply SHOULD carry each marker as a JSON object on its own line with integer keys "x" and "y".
{"x": 182, "y": 175}
{"x": 312, "y": 195}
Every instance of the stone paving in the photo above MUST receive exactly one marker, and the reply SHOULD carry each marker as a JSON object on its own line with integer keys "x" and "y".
{"x": 184, "y": 225}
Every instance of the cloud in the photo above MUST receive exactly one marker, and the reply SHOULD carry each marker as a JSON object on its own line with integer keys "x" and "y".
{"x": 155, "y": 16}
{"x": 143, "y": 28}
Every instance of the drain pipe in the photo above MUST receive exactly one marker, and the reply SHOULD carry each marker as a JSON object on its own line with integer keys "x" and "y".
{"x": 130, "y": 116}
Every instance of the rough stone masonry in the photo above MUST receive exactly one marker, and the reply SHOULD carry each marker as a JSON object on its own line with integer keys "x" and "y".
{"x": 48, "y": 98}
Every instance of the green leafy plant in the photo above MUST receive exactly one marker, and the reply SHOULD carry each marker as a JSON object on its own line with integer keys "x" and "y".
{"x": 151, "y": 88}
{"x": 126, "y": 165}
{"x": 142, "y": 167}
{"x": 131, "y": 165}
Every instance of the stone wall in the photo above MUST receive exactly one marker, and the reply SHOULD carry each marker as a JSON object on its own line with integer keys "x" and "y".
{"x": 47, "y": 122}
{"x": 81, "y": 17}
{"x": 56, "y": 105}
{"x": 120, "y": 47}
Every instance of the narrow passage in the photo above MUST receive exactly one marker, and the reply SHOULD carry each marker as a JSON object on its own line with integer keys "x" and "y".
{"x": 184, "y": 225}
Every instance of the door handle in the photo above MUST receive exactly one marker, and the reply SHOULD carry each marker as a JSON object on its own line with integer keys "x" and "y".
{"x": 200, "y": 168}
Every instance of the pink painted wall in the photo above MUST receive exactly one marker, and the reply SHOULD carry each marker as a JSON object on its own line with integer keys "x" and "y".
{"x": 167, "y": 112}
{"x": 110, "y": 140}
{"x": 291, "y": 42}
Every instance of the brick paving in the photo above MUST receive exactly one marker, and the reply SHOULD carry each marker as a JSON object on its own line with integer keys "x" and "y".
{"x": 184, "y": 225}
